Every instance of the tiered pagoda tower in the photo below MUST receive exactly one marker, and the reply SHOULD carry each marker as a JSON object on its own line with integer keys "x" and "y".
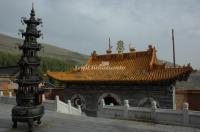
{"x": 29, "y": 106}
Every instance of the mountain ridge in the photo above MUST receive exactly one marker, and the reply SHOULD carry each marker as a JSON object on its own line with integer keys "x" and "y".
{"x": 10, "y": 44}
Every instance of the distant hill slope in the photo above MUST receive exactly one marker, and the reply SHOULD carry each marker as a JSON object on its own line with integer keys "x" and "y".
{"x": 9, "y": 44}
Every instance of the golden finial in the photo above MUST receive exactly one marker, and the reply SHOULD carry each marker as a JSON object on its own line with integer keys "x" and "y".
{"x": 120, "y": 46}
{"x": 131, "y": 49}
{"x": 109, "y": 48}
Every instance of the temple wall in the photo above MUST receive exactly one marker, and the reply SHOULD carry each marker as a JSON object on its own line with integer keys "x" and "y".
{"x": 91, "y": 95}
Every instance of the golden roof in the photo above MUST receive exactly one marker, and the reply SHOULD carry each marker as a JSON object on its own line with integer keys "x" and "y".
{"x": 132, "y": 67}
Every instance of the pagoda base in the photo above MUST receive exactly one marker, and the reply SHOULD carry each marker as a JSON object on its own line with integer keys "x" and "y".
{"x": 27, "y": 115}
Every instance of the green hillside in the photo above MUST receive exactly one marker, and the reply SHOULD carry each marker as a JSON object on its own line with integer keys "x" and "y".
{"x": 9, "y": 45}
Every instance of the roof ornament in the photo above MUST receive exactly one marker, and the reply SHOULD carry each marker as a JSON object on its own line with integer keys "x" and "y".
{"x": 150, "y": 46}
{"x": 120, "y": 47}
{"x": 131, "y": 48}
{"x": 94, "y": 53}
{"x": 109, "y": 51}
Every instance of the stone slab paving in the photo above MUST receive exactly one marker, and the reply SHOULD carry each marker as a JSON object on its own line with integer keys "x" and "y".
{"x": 56, "y": 122}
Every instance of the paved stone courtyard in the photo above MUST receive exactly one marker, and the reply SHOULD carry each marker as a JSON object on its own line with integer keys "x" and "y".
{"x": 56, "y": 122}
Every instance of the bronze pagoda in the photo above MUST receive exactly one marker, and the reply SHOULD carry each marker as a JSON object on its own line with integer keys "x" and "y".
{"x": 29, "y": 106}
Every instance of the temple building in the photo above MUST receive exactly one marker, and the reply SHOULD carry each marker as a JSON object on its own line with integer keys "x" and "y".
{"x": 136, "y": 76}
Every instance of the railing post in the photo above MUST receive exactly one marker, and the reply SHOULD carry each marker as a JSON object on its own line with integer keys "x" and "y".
{"x": 126, "y": 107}
{"x": 101, "y": 107}
{"x": 43, "y": 97}
{"x": 10, "y": 94}
{"x": 153, "y": 110}
{"x": 185, "y": 113}
{"x": 70, "y": 106}
{"x": 1, "y": 93}
{"x": 102, "y": 104}
{"x": 57, "y": 98}
{"x": 56, "y": 102}
{"x": 79, "y": 108}
{"x": 174, "y": 96}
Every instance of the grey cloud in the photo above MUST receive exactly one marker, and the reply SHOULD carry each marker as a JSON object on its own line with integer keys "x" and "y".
{"x": 85, "y": 25}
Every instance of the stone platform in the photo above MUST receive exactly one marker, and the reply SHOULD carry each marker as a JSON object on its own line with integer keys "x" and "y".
{"x": 56, "y": 122}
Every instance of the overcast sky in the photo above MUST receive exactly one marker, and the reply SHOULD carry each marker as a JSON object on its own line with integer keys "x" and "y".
{"x": 86, "y": 25}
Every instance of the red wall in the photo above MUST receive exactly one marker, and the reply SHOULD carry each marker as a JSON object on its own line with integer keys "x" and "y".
{"x": 190, "y": 96}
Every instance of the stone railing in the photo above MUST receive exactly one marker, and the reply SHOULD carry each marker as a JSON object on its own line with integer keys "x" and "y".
{"x": 184, "y": 117}
{"x": 66, "y": 108}
{"x": 53, "y": 105}
{"x": 9, "y": 93}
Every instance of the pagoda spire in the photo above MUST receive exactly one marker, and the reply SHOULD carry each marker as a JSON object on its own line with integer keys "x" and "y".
{"x": 32, "y": 6}
{"x": 32, "y": 10}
